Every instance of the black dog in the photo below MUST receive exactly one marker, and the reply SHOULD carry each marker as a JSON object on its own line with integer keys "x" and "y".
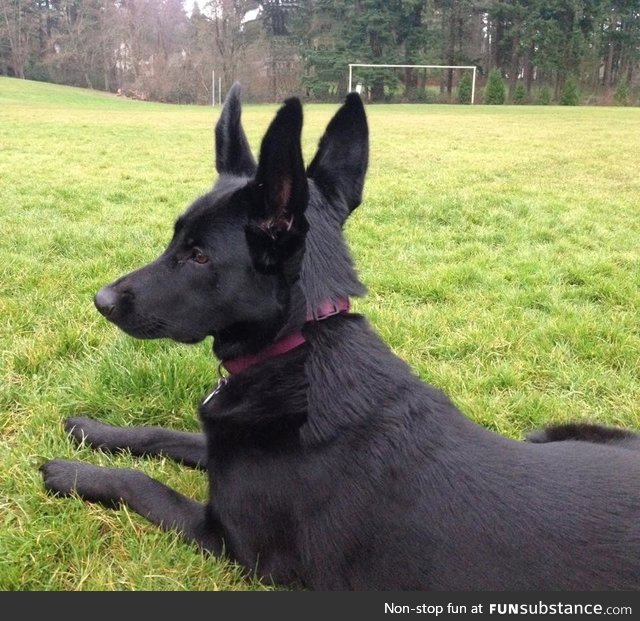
{"x": 331, "y": 465}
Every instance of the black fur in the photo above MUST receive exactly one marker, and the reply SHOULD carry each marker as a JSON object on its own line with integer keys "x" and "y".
{"x": 333, "y": 466}
{"x": 586, "y": 433}
{"x": 232, "y": 148}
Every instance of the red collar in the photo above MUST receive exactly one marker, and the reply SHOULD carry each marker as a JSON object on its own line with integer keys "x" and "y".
{"x": 289, "y": 342}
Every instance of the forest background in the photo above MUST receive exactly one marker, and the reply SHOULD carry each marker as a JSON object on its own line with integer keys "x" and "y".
{"x": 536, "y": 51}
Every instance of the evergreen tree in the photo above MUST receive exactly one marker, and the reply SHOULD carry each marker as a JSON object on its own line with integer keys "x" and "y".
{"x": 334, "y": 33}
{"x": 494, "y": 92}
{"x": 465, "y": 88}
{"x": 519, "y": 94}
{"x": 545, "y": 96}
{"x": 570, "y": 94}
{"x": 622, "y": 94}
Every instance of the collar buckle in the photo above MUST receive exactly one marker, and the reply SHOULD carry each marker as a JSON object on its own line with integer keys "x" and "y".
{"x": 329, "y": 309}
{"x": 222, "y": 382}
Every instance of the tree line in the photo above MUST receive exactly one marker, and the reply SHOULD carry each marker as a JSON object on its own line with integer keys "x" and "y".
{"x": 169, "y": 50}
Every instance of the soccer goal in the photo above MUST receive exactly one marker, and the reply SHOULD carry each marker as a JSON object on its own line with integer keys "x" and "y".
{"x": 426, "y": 67}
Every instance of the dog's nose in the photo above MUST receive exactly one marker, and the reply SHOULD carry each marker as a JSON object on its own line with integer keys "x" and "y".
{"x": 105, "y": 300}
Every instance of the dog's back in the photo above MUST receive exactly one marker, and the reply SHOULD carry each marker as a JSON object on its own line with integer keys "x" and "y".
{"x": 403, "y": 492}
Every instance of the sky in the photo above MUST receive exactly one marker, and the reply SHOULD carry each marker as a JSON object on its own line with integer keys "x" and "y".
{"x": 188, "y": 6}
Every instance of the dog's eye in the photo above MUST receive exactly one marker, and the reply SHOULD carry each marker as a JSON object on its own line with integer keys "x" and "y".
{"x": 198, "y": 256}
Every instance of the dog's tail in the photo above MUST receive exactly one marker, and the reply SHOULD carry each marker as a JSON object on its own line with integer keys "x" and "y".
{"x": 582, "y": 432}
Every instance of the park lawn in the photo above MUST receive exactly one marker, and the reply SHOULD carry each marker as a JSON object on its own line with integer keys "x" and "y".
{"x": 500, "y": 245}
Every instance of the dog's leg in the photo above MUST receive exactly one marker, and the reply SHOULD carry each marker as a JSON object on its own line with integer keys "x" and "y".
{"x": 160, "y": 504}
{"x": 181, "y": 446}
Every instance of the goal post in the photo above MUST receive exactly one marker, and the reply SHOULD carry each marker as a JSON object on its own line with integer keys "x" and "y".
{"x": 472, "y": 67}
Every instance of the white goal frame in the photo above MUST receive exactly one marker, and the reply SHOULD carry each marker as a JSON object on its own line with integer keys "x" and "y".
{"x": 473, "y": 83}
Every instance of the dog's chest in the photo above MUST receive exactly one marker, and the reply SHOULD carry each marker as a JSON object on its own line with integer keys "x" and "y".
{"x": 253, "y": 483}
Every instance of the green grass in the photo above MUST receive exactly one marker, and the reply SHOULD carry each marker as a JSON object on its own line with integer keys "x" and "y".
{"x": 501, "y": 247}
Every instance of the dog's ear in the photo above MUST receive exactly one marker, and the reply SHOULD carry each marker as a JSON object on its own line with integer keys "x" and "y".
{"x": 233, "y": 154}
{"x": 340, "y": 164}
{"x": 277, "y": 224}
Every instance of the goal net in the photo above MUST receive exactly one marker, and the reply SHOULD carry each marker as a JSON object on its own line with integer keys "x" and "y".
{"x": 417, "y": 83}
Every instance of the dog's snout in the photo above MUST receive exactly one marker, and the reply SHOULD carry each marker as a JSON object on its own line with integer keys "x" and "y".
{"x": 105, "y": 300}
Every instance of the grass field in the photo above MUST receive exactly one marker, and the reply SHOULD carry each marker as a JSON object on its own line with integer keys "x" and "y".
{"x": 500, "y": 245}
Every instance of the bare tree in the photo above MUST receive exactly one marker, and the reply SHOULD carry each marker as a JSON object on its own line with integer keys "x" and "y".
{"x": 227, "y": 18}
{"x": 19, "y": 27}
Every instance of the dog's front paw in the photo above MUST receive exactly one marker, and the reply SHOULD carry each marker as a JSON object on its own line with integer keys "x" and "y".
{"x": 91, "y": 483}
{"x": 60, "y": 476}
{"x": 83, "y": 429}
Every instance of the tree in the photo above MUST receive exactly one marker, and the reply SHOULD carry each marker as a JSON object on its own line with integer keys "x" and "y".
{"x": 519, "y": 94}
{"x": 530, "y": 37}
{"x": 152, "y": 48}
{"x": 544, "y": 97}
{"x": 18, "y": 33}
{"x": 494, "y": 92}
{"x": 228, "y": 34}
{"x": 464, "y": 89}
{"x": 76, "y": 57}
{"x": 622, "y": 94}
{"x": 277, "y": 19}
{"x": 455, "y": 29}
{"x": 198, "y": 41}
{"x": 570, "y": 95}
{"x": 514, "y": 22}
{"x": 152, "y": 57}
{"x": 619, "y": 36}
{"x": 335, "y": 33}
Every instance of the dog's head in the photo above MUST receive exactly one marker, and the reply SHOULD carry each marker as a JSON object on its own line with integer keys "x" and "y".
{"x": 249, "y": 259}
